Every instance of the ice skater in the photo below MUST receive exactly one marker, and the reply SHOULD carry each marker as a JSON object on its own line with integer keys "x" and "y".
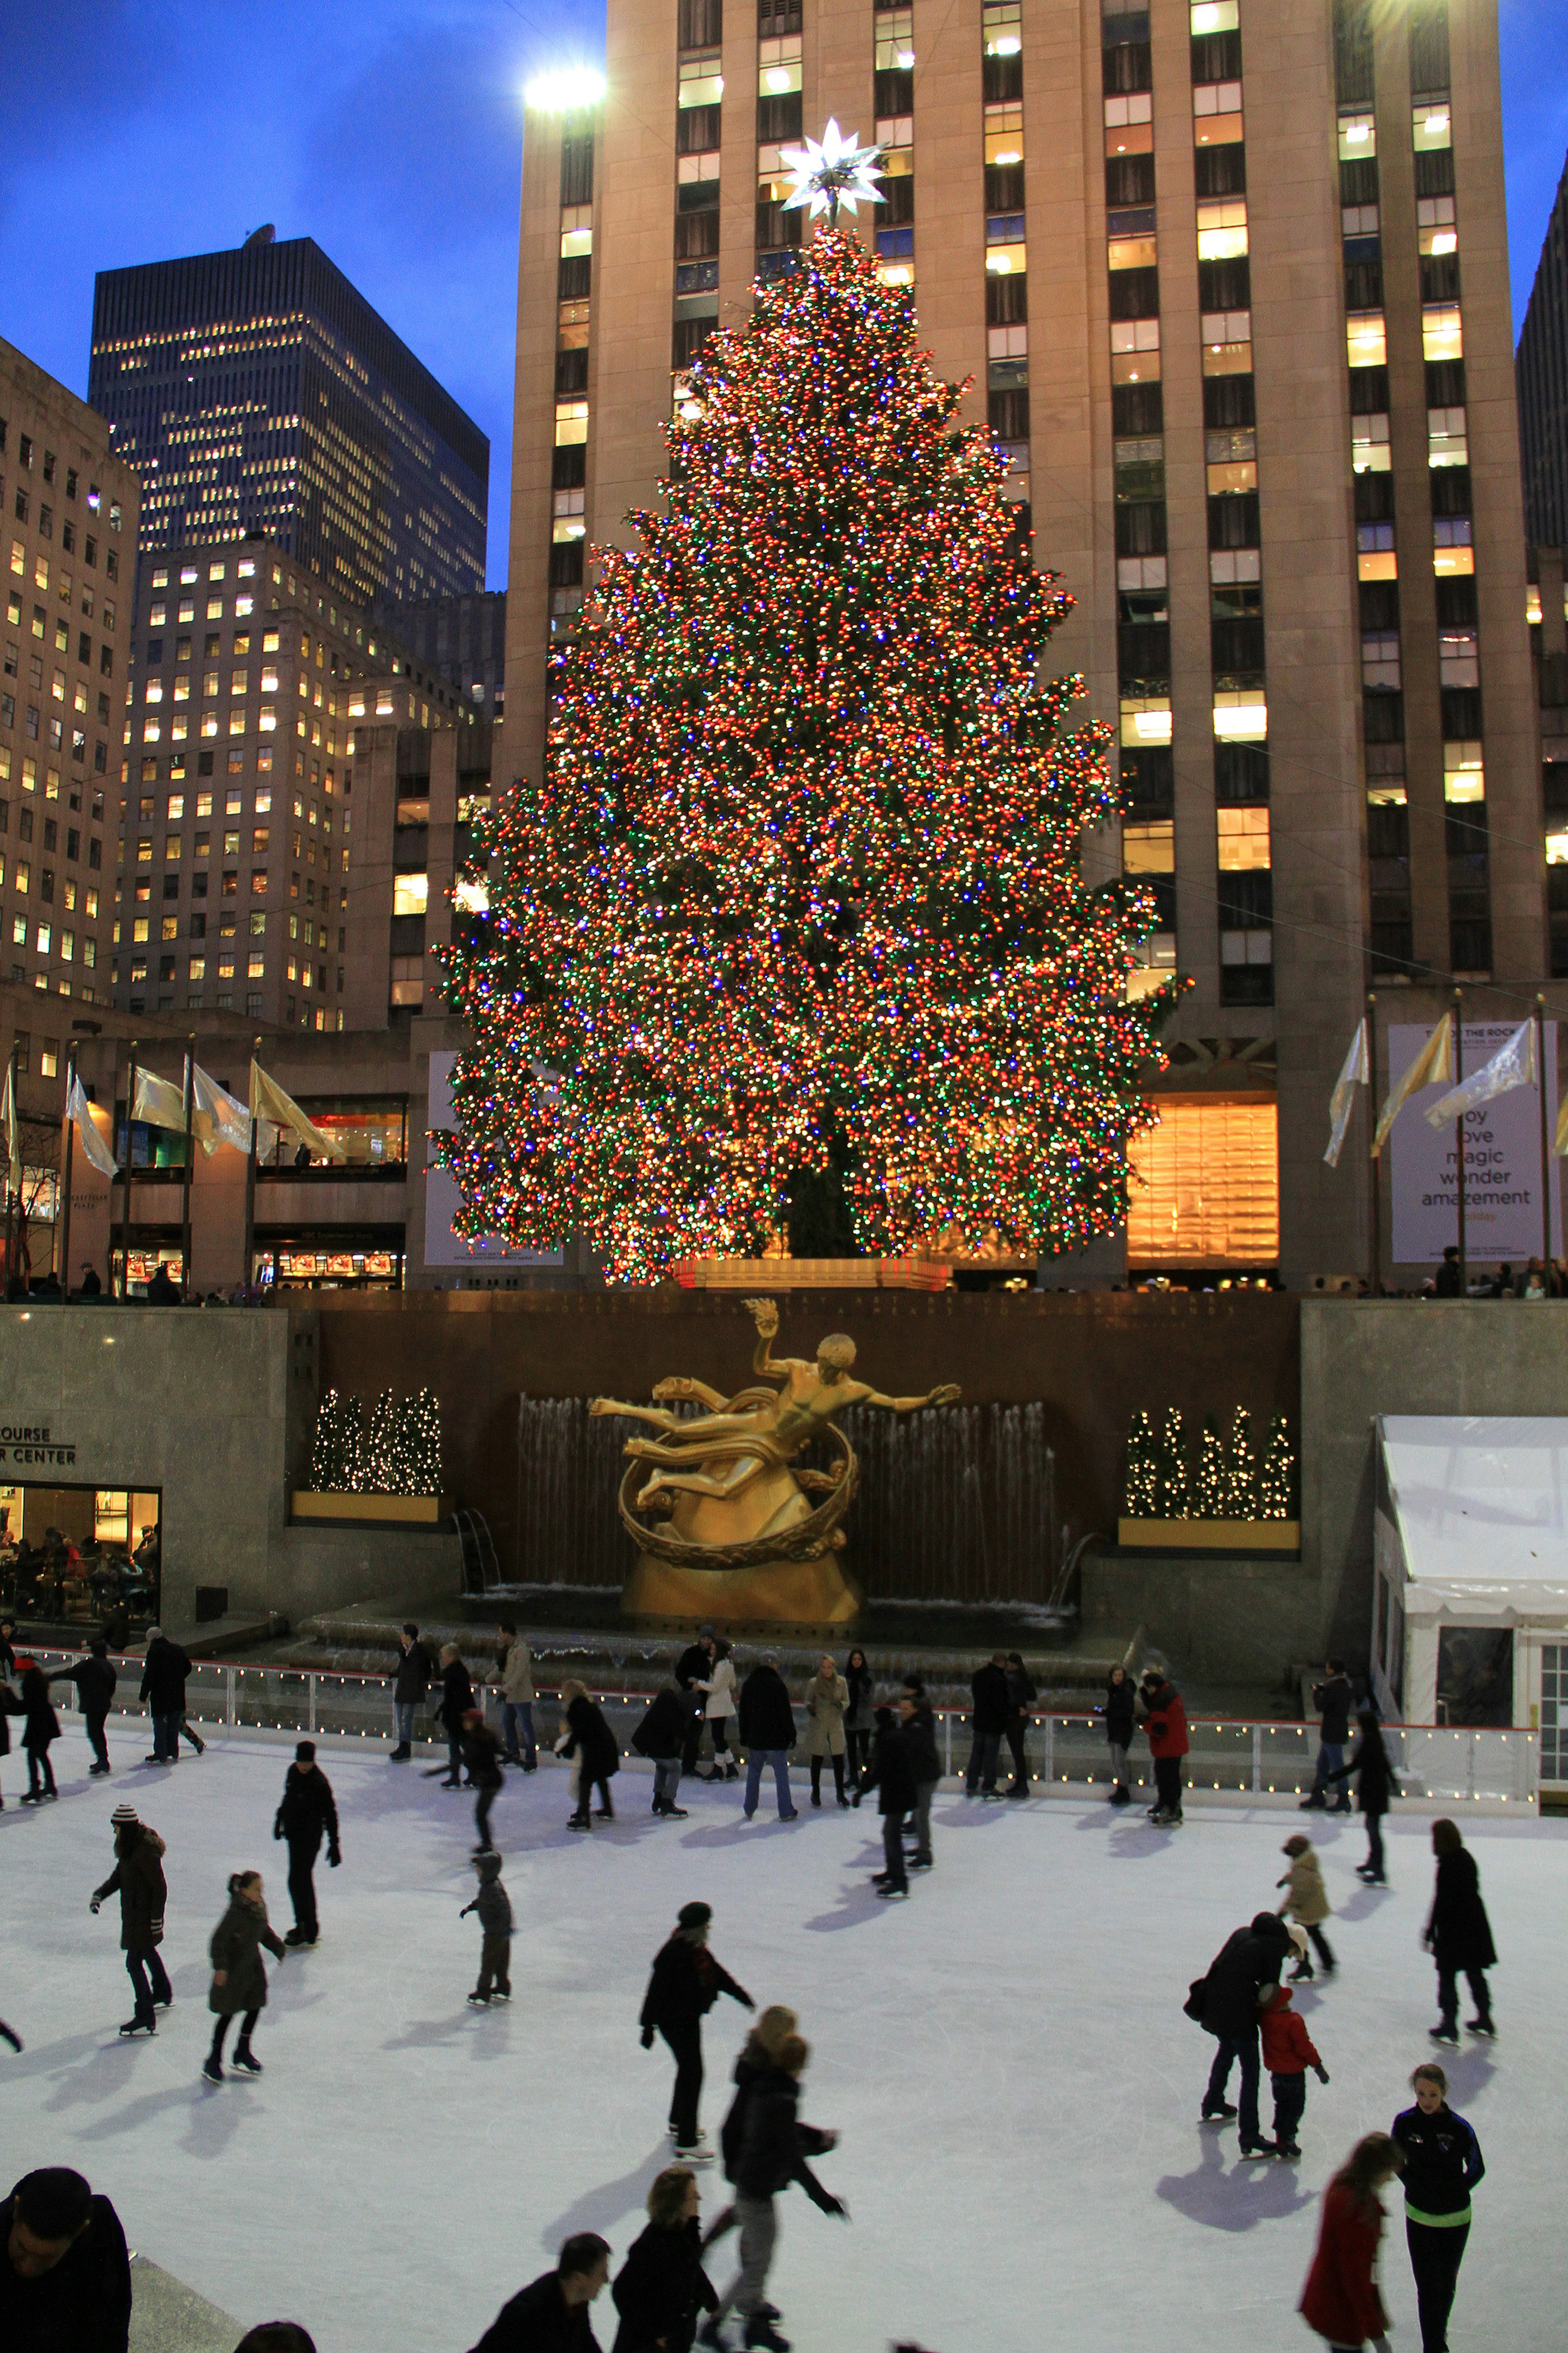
{"x": 719, "y": 1711}
{"x": 1120, "y": 1711}
{"x": 481, "y": 1759}
{"x": 1021, "y": 1698}
{"x": 892, "y": 1774}
{"x": 164, "y": 1669}
{"x": 1307, "y": 1904}
{"x": 661, "y": 2287}
{"x": 774, "y": 2154}
{"x": 514, "y": 1671}
{"x": 760, "y": 2052}
{"x": 590, "y": 1742}
{"x": 95, "y": 1679}
{"x": 551, "y": 2314}
{"x": 494, "y": 1908}
{"x": 988, "y": 1689}
{"x": 1443, "y": 2163}
{"x": 138, "y": 1877}
{"x": 1164, "y": 1720}
{"x": 1333, "y": 1699}
{"x": 919, "y": 1743}
{"x": 1341, "y": 2298}
{"x": 415, "y": 1675}
{"x": 305, "y": 1815}
{"x": 1288, "y": 2052}
{"x": 1376, "y": 1786}
{"x": 767, "y": 1735}
{"x": 1241, "y": 1982}
{"x": 826, "y": 1702}
{"x": 661, "y": 1738}
{"x": 39, "y": 1733}
{"x": 239, "y": 1973}
{"x": 692, "y": 1669}
{"x": 65, "y": 2271}
{"x": 859, "y": 1720}
{"x": 1458, "y": 1936}
{"x": 685, "y": 1984}
{"x": 456, "y": 1699}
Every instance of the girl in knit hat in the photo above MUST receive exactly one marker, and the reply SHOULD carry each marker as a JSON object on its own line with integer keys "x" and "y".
{"x": 138, "y": 1877}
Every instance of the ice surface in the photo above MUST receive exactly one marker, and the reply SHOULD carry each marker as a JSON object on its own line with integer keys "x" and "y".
{"x": 1006, "y": 2054}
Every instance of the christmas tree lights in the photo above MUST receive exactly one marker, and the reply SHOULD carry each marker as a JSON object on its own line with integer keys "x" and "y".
{"x": 416, "y": 1448}
{"x": 1241, "y": 1470}
{"x": 1279, "y": 1473}
{"x": 1209, "y": 1481}
{"x": 326, "y": 1447}
{"x": 1171, "y": 1470}
{"x": 799, "y": 893}
{"x": 1142, "y": 1470}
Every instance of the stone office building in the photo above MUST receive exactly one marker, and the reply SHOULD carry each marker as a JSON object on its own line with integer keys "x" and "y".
{"x": 1258, "y": 255}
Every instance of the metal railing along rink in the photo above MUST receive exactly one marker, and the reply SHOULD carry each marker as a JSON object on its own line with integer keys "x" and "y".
{"x": 1230, "y": 1756}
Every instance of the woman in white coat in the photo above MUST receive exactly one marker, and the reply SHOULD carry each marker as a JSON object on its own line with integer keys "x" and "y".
{"x": 719, "y": 1709}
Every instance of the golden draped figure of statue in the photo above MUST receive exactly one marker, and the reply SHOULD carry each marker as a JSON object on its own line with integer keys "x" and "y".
{"x": 722, "y": 1494}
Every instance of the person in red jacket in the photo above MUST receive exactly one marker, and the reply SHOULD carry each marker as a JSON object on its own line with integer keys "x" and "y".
{"x": 1288, "y": 2052}
{"x": 1341, "y": 2299}
{"x": 1164, "y": 1720}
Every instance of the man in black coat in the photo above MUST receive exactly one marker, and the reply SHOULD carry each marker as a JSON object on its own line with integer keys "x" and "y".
{"x": 305, "y": 1814}
{"x": 1243, "y": 1979}
{"x": 415, "y": 1675}
{"x": 685, "y": 1984}
{"x": 660, "y": 1738}
{"x": 65, "y": 2273}
{"x": 162, "y": 1694}
{"x": 919, "y": 1743}
{"x": 1333, "y": 1699}
{"x": 773, "y": 2155}
{"x": 695, "y": 1665}
{"x": 993, "y": 1710}
{"x": 551, "y": 2315}
{"x": 456, "y": 1699}
{"x": 95, "y": 1680}
{"x": 891, "y": 1773}
{"x": 767, "y": 1733}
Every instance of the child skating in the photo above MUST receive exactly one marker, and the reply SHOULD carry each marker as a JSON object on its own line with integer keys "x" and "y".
{"x": 1288, "y": 2052}
{"x": 1307, "y": 1902}
{"x": 494, "y": 1908}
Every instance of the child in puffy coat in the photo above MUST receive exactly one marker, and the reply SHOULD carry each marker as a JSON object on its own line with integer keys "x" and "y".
{"x": 1307, "y": 1902}
{"x": 1288, "y": 2052}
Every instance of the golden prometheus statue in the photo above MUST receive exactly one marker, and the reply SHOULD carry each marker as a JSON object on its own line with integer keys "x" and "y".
{"x": 726, "y": 1521}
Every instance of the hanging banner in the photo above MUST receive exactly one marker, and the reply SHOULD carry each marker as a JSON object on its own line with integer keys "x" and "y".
{"x": 1502, "y": 1160}
{"x": 443, "y": 1247}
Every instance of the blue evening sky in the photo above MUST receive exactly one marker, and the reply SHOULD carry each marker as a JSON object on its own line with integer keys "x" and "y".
{"x": 389, "y": 131}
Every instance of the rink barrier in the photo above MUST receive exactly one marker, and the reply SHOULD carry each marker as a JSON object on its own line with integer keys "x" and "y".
{"x": 1438, "y": 1763}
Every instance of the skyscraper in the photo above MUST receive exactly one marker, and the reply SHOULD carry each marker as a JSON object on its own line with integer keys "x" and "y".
{"x": 1542, "y": 366}
{"x": 257, "y": 390}
{"x": 1229, "y": 284}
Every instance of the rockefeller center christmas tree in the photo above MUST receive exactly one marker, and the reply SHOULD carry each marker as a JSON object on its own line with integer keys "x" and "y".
{"x": 797, "y": 902}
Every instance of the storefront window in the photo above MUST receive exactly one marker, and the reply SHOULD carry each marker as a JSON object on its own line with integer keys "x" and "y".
{"x": 86, "y": 1557}
{"x": 329, "y": 1263}
{"x": 372, "y": 1129}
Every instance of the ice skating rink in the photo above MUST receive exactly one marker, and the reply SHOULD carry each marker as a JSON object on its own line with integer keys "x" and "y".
{"x": 1005, "y": 2053}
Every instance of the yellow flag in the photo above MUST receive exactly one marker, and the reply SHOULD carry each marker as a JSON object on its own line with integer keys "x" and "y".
{"x": 1435, "y": 1061}
{"x": 267, "y": 1101}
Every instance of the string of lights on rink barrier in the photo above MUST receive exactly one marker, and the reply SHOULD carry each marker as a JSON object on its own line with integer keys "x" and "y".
{"x": 951, "y": 1721}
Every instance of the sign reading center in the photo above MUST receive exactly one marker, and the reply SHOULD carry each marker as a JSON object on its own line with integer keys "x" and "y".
{"x": 22, "y": 1445}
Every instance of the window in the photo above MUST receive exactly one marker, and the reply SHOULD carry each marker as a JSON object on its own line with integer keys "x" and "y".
{"x": 1222, "y": 229}
{"x": 1240, "y": 716}
{"x": 701, "y": 83}
{"x": 895, "y": 50}
{"x": 1442, "y": 337}
{"x": 258, "y": 882}
{"x": 407, "y": 980}
{"x": 1380, "y": 671}
{"x": 1464, "y": 773}
{"x": 1431, "y": 127}
{"x": 170, "y": 927}
{"x": 1217, "y": 113}
{"x": 1003, "y": 28}
{"x": 410, "y": 893}
{"x": 1366, "y": 339}
{"x": 174, "y": 844}
{"x": 1370, "y": 451}
{"x": 1243, "y": 839}
{"x": 1145, "y": 720}
{"x": 1447, "y": 439}
{"x": 236, "y": 682}
{"x": 576, "y": 230}
{"x": 49, "y": 1058}
{"x": 1005, "y": 134}
{"x": 1458, "y": 661}
{"x": 1149, "y": 847}
{"x": 1358, "y": 138}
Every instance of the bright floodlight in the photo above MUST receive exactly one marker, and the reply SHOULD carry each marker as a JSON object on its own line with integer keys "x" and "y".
{"x": 566, "y": 90}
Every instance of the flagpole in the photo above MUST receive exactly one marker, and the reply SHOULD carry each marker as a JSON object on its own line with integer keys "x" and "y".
{"x": 12, "y": 1249}
{"x": 1545, "y": 1140}
{"x": 185, "y": 1186}
{"x": 250, "y": 1181}
{"x": 63, "y": 1224}
{"x": 1376, "y": 1284}
{"x": 125, "y": 1210}
{"x": 1460, "y": 1139}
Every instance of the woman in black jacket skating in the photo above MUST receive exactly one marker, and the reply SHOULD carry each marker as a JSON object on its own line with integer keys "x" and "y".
{"x": 589, "y": 1740}
{"x": 1375, "y": 1779}
{"x": 662, "y": 2286}
{"x": 1120, "y": 1711}
{"x": 686, "y": 1983}
{"x": 857, "y": 1716}
{"x": 41, "y": 1729}
{"x": 1459, "y": 1934}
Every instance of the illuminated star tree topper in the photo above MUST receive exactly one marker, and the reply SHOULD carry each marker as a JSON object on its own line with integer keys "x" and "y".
{"x": 833, "y": 170}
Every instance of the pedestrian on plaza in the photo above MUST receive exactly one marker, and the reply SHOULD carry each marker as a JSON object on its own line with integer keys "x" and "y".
{"x": 590, "y": 1742}
{"x": 1021, "y": 1698}
{"x": 1341, "y": 2298}
{"x": 1164, "y": 1720}
{"x": 493, "y": 1906}
{"x": 415, "y": 1675}
{"x": 767, "y": 1733}
{"x": 1375, "y": 1782}
{"x": 456, "y": 1699}
{"x": 163, "y": 1673}
{"x": 661, "y": 1737}
{"x": 39, "y": 1733}
{"x": 1241, "y": 1983}
{"x": 306, "y": 1814}
{"x": 1458, "y": 1936}
{"x": 239, "y": 1973}
{"x": 774, "y": 2154}
{"x": 551, "y": 2315}
{"x": 1288, "y": 2052}
{"x": 1443, "y": 2163}
{"x": 1449, "y": 1284}
{"x": 482, "y": 1762}
{"x": 1119, "y": 1714}
{"x": 65, "y": 2271}
{"x": 891, "y": 1773}
{"x": 692, "y": 1669}
{"x": 95, "y": 1680}
{"x": 1333, "y": 1699}
{"x": 138, "y": 1877}
{"x": 760, "y": 2052}
{"x": 718, "y": 1709}
{"x": 1307, "y": 1902}
{"x": 859, "y": 1720}
{"x": 685, "y": 1984}
{"x": 826, "y": 1704}
{"x": 514, "y": 1668}
{"x": 988, "y": 1686}
{"x": 661, "y": 2287}
{"x": 925, "y": 1764}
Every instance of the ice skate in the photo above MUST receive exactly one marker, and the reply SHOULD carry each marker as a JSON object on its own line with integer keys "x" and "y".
{"x": 246, "y": 2059}
{"x": 578, "y": 1823}
{"x": 1444, "y": 2031}
{"x": 295, "y": 1936}
{"x": 1221, "y": 2115}
{"x": 212, "y": 2071}
{"x": 480, "y": 2000}
{"x": 96, "y": 1770}
{"x": 894, "y": 1895}
{"x": 1480, "y": 2026}
{"x": 1288, "y": 2149}
{"x": 139, "y": 2026}
{"x": 674, "y": 1813}
{"x": 697, "y": 2156}
{"x": 762, "y": 2332}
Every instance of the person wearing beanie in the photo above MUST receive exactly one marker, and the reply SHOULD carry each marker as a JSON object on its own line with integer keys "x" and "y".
{"x": 685, "y": 1984}
{"x": 1307, "y": 1902}
{"x": 95, "y": 1680}
{"x": 65, "y": 2271}
{"x": 306, "y": 1813}
{"x": 1165, "y": 1719}
{"x": 494, "y": 1908}
{"x": 138, "y": 1878}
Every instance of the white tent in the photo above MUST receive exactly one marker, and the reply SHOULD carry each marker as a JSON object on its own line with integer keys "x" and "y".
{"x": 1472, "y": 1543}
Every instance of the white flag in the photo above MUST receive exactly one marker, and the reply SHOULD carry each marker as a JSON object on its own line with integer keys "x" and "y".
{"x": 1435, "y": 1061}
{"x": 79, "y": 1111}
{"x": 219, "y": 1118}
{"x": 1354, "y": 1071}
{"x": 1511, "y": 1066}
{"x": 157, "y": 1103}
{"x": 11, "y": 1129}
